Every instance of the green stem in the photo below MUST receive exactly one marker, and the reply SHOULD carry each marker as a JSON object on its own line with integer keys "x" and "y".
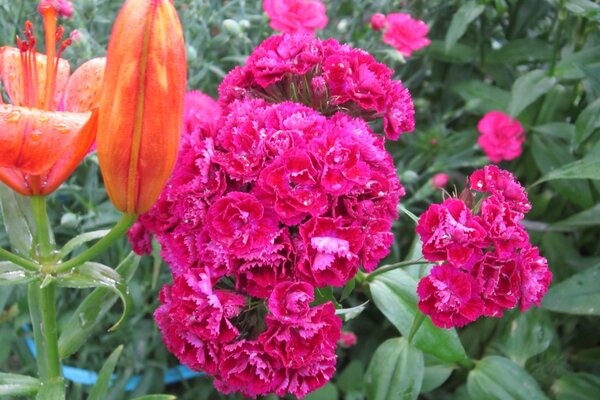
{"x": 44, "y": 238}
{"x": 409, "y": 213}
{"x": 417, "y": 322}
{"x": 28, "y": 265}
{"x": 115, "y": 233}
{"x": 391, "y": 267}
{"x": 556, "y": 47}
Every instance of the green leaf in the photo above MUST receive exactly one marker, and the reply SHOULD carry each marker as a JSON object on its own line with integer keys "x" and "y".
{"x": 54, "y": 390}
{"x": 12, "y": 274}
{"x": 570, "y": 66}
{"x": 481, "y": 97}
{"x": 584, "y": 219}
{"x": 461, "y": 20}
{"x": 576, "y": 386}
{"x": 525, "y": 336}
{"x": 579, "y": 295}
{"x": 527, "y": 89}
{"x": 352, "y": 312}
{"x": 583, "y": 169}
{"x": 18, "y": 220}
{"x": 18, "y": 385}
{"x": 519, "y": 51}
{"x": 91, "y": 311}
{"x": 81, "y": 239}
{"x": 561, "y": 130}
{"x": 459, "y": 53}
{"x": 395, "y": 295}
{"x": 352, "y": 377}
{"x": 156, "y": 397}
{"x": 436, "y": 373}
{"x": 497, "y": 377}
{"x": 327, "y": 392}
{"x": 348, "y": 288}
{"x": 584, "y": 8}
{"x": 395, "y": 372}
{"x": 587, "y": 122}
{"x": 100, "y": 389}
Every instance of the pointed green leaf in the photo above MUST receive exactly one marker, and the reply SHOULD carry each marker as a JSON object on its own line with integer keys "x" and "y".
{"x": 12, "y": 274}
{"x": 481, "y": 97}
{"x": 156, "y": 397}
{"x": 395, "y": 371}
{"x": 18, "y": 220}
{"x": 527, "y": 335}
{"x": 100, "y": 389}
{"x": 583, "y": 169}
{"x": 435, "y": 374}
{"x": 18, "y": 385}
{"x": 577, "y": 386}
{"x": 81, "y": 239}
{"x": 499, "y": 378}
{"x": 527, "y": 89}
{"x": 587, "y": 122}
{"x": 352, "y": 312}
{"x": 578, "y": 295}
{"x": 584, "y": 219}
{"x": 569, "y": 67}
{"x": 461, "y": 20}
{"x": 520, "y": 50}
{"x": 395, "y": 295}
{"x": 91, "y": 311}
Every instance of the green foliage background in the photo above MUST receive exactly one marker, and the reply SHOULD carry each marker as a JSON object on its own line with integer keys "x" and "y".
{"x": 538, "y": 60}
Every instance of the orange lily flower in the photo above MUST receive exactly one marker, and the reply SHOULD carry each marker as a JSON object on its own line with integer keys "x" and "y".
{"x": 141, "y": 111}
{"x": 48, "y": 128}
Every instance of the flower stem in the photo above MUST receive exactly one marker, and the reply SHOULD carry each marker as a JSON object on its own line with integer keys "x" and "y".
{"x": 560, "y": 17}
{"x": 28, "y": 265}
{"x": 42, "y": 307}
{"x": 391, "y": 267}
{"x": 44, "y": 236}
{"x": 115, "y": 233}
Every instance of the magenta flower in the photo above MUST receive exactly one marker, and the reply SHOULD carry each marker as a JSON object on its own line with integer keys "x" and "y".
{"x": 450, "y": 297}
{"x": 378, "y": 22}
{"x": 290, "y": 302}
{"x": 501, "y": 136}
{"x": 405, "y": 34}
{"x": 440, "y": 180}
{"x": 296, "y": 16}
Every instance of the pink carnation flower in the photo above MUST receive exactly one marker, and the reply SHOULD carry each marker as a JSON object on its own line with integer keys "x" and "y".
{"x": 348, "y": 339}
{"x": 502, "y": 184}
{"x": 440, "y": 180}
{"x": 64, "y": 8}
{"x": 536, "y": 278}
{"x": 501, "y": 136}
{"x": 296, "y": 16}
{"x": 500, "y": 281}
{"x": 378, "y": 22}
{"x": 290, "y": 302}
{"x": 405, "y": 34}
{"x": 450, "y": 297}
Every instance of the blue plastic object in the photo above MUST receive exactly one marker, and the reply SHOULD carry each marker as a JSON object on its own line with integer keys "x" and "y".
{"x": 87, "y": 377}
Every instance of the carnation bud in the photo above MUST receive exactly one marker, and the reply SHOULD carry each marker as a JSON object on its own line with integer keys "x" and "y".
{"x": 232, "y": 27}
{"x": 141, "y": 111}
{"x": 378, "y": 22}
{"x": 440, "y": 180}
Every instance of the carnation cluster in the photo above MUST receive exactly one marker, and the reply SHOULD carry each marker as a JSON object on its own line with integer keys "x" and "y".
{"x": 269, "y": 200}
{"x": 485, "y": 261}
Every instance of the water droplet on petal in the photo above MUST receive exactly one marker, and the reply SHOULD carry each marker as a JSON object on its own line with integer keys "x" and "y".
{"x": 13, "y": 116}
{"x": 43, "y": 118}
{"x": 62, "y": 128}
{"x": 35, "y": 135}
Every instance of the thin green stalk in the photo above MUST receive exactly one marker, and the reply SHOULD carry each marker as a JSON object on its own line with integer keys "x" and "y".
{"x": 40, "y": 216}
{"x": 557, "y": 39}
{"x": 115, "y": 233}
{"x": 391, "y": 267}
{"x": 28, "y": 265}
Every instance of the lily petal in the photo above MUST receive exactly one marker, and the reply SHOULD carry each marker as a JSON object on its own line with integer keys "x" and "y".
{"x": 83, "y": 89}
{"x": 33, "y": 140}
{"x": 13, "y": 77}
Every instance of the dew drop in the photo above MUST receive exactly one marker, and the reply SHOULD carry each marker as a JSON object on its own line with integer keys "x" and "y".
{"x": 43, "y": 118}
{"x": 36, "y": 135}
{"x": 62, "y": 128}
{"x": 13, "y": 116}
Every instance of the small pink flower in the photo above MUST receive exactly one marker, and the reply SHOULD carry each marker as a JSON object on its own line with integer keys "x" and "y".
{"x": 405, "y": 34}
{"x": 450, "y": 297}
{"x": 503, "y": 184}
{"x": 296, "y": 16}
{"x": 378, "y": 22}
{"x": 501, "y": 136}
{"x": 535, "y": 277}
{"x": 440, "y": 180}
{"x": 500, "y": 282}
{"x": 140, "y": 239}
{"x": 348, "y": 339}
{"x": 290, "y": 302}
{"x": 239, "y": 223}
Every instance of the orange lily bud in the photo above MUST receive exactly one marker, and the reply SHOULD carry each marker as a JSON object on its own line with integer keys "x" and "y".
{"x": 141, "y": 110}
